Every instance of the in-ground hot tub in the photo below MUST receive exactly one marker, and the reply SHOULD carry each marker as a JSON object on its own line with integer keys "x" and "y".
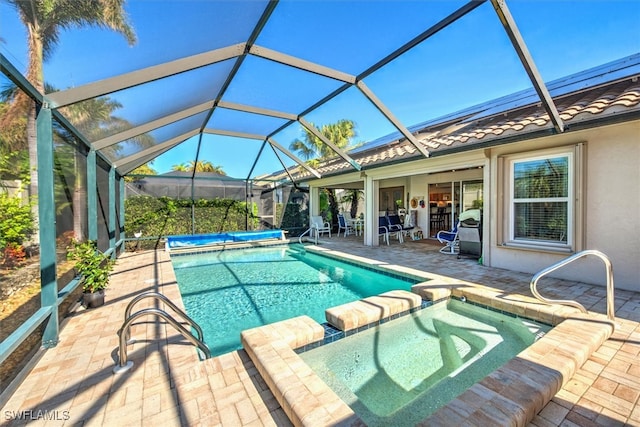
{"x": 400, "y": 372}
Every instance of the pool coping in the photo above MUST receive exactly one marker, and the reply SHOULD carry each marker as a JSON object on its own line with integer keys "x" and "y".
{"x": 511, "y": 395}
{"x": 304, "y": 397}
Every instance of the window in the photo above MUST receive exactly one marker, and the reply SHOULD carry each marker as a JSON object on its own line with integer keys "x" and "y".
{"x": 539, "y": 208}
{"x": 391, "y": 199}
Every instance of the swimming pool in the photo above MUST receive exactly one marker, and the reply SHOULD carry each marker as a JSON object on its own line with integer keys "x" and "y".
{"x": 400, "y": 372}
{"x": 228, "y": 291}
{"x": 175, "y": 242}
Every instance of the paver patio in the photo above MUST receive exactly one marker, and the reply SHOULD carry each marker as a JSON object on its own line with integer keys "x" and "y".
{"x": 73, "y": 383}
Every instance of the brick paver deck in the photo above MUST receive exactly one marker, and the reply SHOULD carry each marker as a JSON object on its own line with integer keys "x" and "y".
{"x": 73, "y": 383}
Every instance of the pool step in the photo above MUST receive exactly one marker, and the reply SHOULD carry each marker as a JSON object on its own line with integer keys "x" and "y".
{"x": 514, "y": 393}
{"x": 297, "y": 249}
{"x": 371, "y": 310}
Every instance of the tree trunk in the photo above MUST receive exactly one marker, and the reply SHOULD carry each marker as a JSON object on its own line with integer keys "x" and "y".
{"x": 36, "y": 76}
{"x": 333, "y": 207}
{"x": 33, "y": 172}
{"x": 355, "y": 199}
{"x": 79, "y": 205}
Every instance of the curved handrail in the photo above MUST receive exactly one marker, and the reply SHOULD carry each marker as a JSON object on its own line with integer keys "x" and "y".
{"x": 124, "y": 364}
{"x": 609, "y": 273}
{"x": 167, "y": 301}
{"x": 309, "y": 231}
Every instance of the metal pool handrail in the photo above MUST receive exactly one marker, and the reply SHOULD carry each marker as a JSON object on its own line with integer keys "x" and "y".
{"x": 124, "y": 364}
{"x": 167, "y": 301}
{"x": 124, "y": 332}
{"x": 309, "y": 231}
{"x": 609, "y": 274}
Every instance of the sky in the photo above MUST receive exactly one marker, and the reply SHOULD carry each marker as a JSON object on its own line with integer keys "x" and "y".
{"x": 468, "y": 63}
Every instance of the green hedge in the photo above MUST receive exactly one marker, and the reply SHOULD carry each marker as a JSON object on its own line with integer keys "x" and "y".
{"x": 295, "y": 219}
{"x": 164, "y": 216}
{"x": 157, "y": 218}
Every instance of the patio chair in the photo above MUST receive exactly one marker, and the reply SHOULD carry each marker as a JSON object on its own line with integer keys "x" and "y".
{"x": 438, "y": 219}
{"x": 395, "y": 223}
{"x": 357, "y": 224}
{"x": 383, "y": 230}
{"x": 345, "y": 225}
{"x": 450, "y": 238}
{"x": 319, "y": 226}
{"x": 394, "y": 226}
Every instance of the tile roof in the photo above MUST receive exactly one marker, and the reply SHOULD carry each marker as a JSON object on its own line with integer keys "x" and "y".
{"x": 576, "y": 109}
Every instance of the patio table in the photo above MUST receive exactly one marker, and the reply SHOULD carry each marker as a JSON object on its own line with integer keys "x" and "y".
{"x": 358, "y": 225}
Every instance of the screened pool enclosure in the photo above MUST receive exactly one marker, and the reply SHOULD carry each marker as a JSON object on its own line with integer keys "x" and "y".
{"x": 187, "y": 117}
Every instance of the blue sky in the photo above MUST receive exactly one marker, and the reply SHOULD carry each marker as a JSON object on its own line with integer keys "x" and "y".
{"x": 468, "y": 63}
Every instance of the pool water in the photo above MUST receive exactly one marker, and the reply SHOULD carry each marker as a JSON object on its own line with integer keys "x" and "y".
{"x": 400, "y": 372}
{"x": 229, "y": 291}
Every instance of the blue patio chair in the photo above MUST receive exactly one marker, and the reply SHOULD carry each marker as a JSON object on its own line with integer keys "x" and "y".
{"x": 395, "y": 223}
{"x": 343, "y": 224}
{"x": 450, "y": 238}
{"x": 394, "y": 226}
{"x": 383, "y": 230}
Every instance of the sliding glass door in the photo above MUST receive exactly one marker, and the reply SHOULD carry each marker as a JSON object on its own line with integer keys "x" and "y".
{"x": 448, "y": 199}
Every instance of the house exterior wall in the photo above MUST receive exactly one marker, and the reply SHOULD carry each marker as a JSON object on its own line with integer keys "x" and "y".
{"x": 610, "y": 201}
{"x": 419, "y": 189}
{"x": 611, "y": 204}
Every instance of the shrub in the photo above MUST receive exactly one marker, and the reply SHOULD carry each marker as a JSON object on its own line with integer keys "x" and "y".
{"x": 14, "y": 255}
{"x": 16, "y": 221}
{"x": 91, "y": 264}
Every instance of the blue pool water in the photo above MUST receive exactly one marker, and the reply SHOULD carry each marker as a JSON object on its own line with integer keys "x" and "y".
{"x": 229, "y": 291}
{"x": 400, "y": 372}
{"x": 217, "y": 238}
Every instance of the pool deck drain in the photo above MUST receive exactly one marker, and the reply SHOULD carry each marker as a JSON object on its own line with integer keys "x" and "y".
{"x": 169, "y": 387}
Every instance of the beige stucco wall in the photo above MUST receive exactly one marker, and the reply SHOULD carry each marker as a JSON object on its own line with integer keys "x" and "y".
{"x": 611, "y": 203}
{"x": 612, "y": 207}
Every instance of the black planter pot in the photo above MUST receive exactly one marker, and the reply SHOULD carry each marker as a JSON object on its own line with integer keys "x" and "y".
{"x": 93, "y": 299}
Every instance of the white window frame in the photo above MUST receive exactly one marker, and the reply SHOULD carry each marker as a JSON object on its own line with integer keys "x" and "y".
{"x": 510, "y": 202}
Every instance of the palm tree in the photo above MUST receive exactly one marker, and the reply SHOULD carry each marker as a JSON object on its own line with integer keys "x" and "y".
{"x": 13, "y": 137}
{"x": 199, "y": 166}
{"x": 95, "y": 119}
{"x": 180, "y": 167}
{"x": 341, "y": 134}
{"x": 353, "y": 197}
{"x": 205, "y": 166}
{"x": 44, "y": 21}
{"x": 145, "y": 169}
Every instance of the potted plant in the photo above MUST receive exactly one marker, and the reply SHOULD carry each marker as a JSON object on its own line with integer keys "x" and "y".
{"x": 94, "y": 267}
